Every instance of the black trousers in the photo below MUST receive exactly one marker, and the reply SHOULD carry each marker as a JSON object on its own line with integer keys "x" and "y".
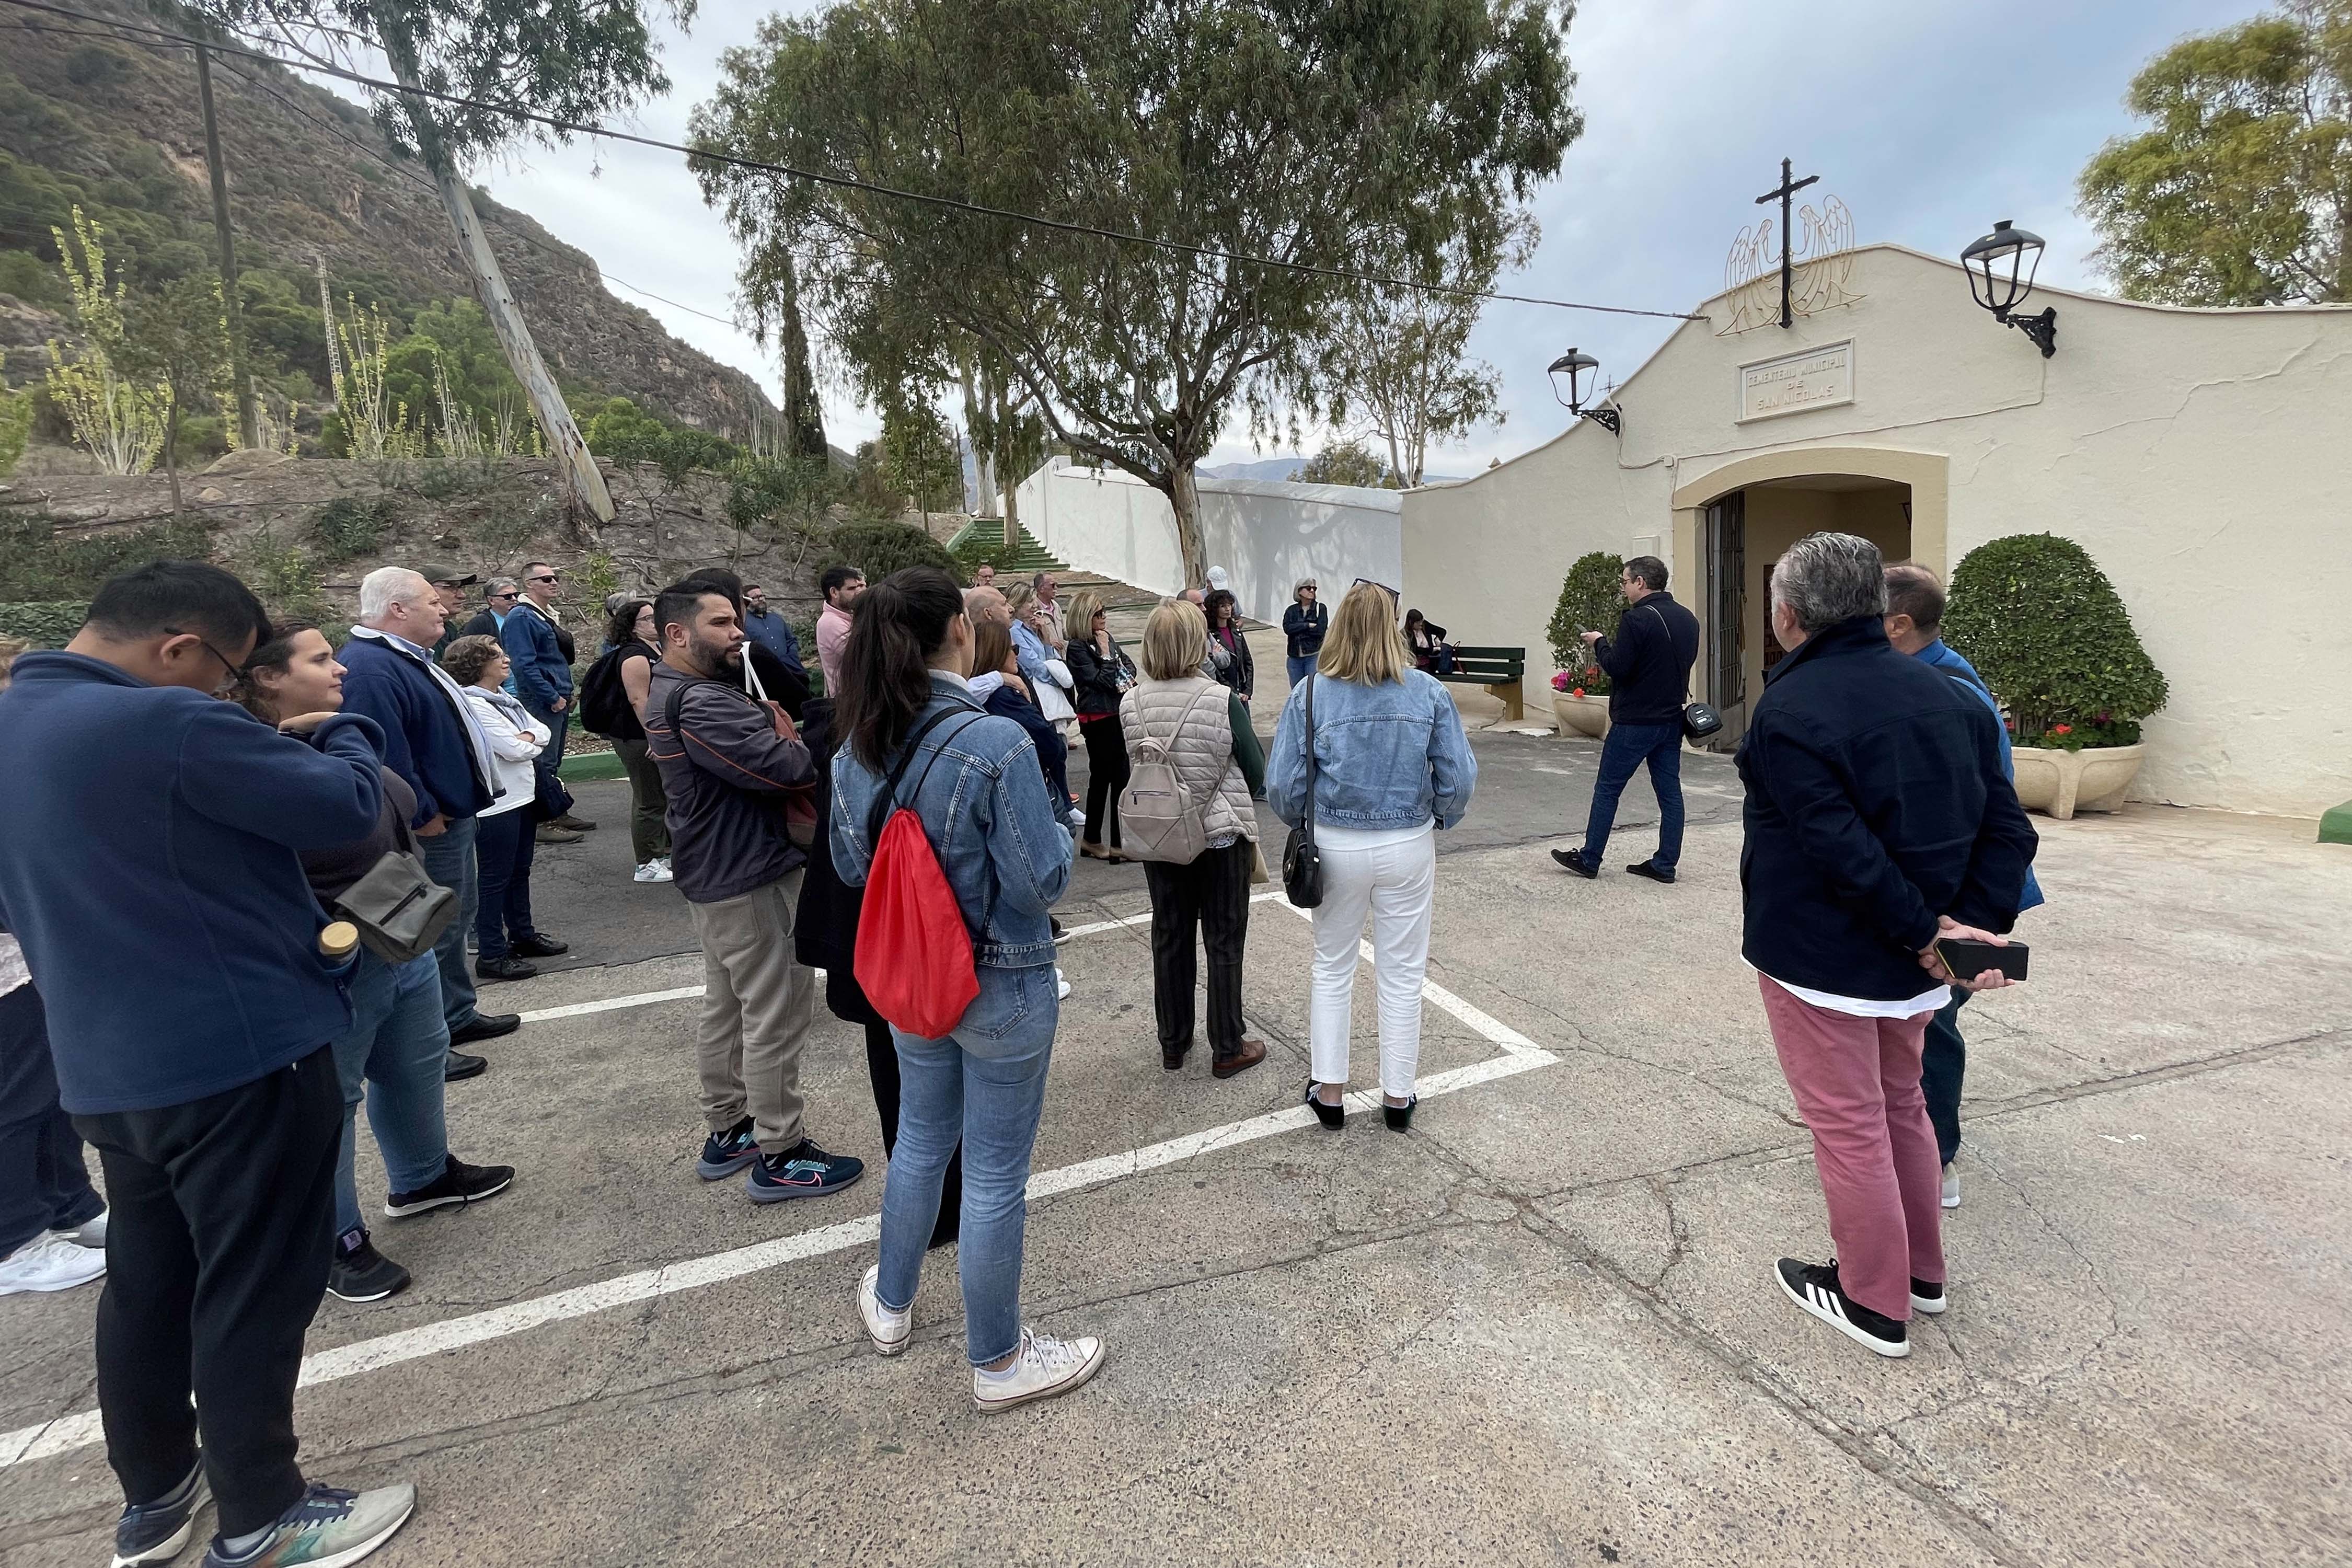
{"x": 224, "y": 1215}
{"x": 845, "y": 1000}
{"x": 1210, "y": 895}
{"x": 1105, "y": 775}
{"x": 1943, "y": 1063}
{"x": 44, "y": 1185}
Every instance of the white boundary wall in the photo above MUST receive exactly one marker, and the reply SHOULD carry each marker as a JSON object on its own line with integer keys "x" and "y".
{"x": 1266, "y": 536}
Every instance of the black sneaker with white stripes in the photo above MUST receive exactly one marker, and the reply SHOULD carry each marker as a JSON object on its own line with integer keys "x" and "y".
{"x": 1814, "y": 1287}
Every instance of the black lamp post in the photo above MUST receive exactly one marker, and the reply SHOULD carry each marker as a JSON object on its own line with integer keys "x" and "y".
{"x": 2000, "y": 268}
{"x": 1575, "y": 363}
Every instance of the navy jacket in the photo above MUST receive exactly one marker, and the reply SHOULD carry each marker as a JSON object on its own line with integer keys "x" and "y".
{"x": 1877, "y": 801}
{"x": 542, "y": 675}
{"x": 1305, "y": 629}
{"x": 775, "y": 633}
{"x": 1649, "y": 661}
{"x": 149, "y": 867}
{"x": 423, "y": 732}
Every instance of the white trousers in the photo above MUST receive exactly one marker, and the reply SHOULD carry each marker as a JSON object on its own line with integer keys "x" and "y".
{"x": 1395, "y": 884}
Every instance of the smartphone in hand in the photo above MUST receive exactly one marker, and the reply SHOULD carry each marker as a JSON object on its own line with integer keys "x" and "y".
{"x": 1966, "y": 959}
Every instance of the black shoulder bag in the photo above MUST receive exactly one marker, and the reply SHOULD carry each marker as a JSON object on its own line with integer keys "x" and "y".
{"x": 1302, "y": 863}
{"x": 1699, "y": 719}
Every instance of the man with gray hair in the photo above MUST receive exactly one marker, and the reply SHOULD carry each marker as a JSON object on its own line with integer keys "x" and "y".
{"x": 1879, "y": 821}
{"x": 498, "y": 597}
{"x": 432, "y": 741}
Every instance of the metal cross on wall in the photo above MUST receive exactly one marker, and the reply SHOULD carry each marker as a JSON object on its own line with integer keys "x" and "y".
{"x": 1787, "y": 188}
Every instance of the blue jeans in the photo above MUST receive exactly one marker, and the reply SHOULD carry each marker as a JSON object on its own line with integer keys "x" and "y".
{"x": 449, "y": 857}
{"x": 1943, "y": 1058}
{"x": 1626, "y": 749}
{"x": 502, "y": 855}
{"x": 44, "y": 1182}
{"x": 985, "y": 1084}
{"x": 1299, "y": 669}
{"x": 397, "y": 1045}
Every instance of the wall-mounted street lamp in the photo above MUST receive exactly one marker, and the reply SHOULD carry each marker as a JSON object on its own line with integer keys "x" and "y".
{"x": 2000, "y": 268}
{"x": 1574, "y": 363}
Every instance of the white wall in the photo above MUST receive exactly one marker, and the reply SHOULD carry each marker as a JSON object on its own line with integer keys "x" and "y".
{"x": 2197, "y": 455}
{"x": 1266, "y": 536}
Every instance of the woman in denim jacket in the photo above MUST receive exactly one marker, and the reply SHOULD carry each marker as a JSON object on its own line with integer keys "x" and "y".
{"x": 1391, "y": 763}
{"x": 976, "y": 785}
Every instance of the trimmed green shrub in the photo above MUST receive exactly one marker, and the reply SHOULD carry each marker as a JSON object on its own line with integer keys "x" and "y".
{"x": 39, "y": 563}
{"x": 348, "y": 527}
{"x": 878, "y": 549}
{"x": 1591, "y": 597}
{"x": 2053, "y": 640}
{"x": 51, "y": 625}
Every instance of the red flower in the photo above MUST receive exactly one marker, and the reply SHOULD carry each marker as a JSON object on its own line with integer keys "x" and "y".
{"x": 1578, "y": 692}
{"x": 2061, "y": 728}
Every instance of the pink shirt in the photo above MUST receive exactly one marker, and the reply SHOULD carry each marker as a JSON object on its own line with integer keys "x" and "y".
{"x": 832, "y": 636}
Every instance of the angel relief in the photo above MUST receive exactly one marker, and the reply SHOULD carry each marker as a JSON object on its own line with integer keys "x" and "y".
{"x": 1821, "y": 268}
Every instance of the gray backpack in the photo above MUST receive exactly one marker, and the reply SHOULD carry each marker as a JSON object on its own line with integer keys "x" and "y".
{"x": 1157, "y": 821}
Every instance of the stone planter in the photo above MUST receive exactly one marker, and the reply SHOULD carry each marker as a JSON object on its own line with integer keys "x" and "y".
{"x": 1586, "y": 715}
{"x": 2064, "y": 783}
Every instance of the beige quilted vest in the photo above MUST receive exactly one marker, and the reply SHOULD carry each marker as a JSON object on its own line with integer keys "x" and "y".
{"x": 1202, "y": 750}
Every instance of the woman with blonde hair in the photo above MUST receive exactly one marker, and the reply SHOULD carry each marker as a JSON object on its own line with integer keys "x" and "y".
{"x": 1203, "y": 730}
{"x": 1391, "y": 763}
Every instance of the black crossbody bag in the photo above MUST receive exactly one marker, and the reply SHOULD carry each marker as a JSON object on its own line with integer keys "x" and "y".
{"x": 1302, "y": 862}
{"x": 1699, "y": 719}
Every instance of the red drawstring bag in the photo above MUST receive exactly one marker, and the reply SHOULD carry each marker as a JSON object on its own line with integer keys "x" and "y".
{"x": 914, "y": 954}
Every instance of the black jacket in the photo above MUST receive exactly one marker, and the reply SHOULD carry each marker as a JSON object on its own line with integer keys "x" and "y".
{"x": 1095, "y": 678}
{"x": 1649, "y": 661}
{"x": 1877, "y": 801}
{"x": 1305, "y": 629}
{"x": 1239, "y": 672}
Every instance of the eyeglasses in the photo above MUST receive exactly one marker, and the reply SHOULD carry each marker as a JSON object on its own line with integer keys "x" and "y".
{"x": 506, "y": 595}
{"x": 233, "y": 668}
{"x": 550, "y": 577}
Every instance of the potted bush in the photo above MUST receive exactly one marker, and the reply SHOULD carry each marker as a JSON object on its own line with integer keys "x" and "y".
{"x": 2053, "y": 642}
{"x": 1589, "y": 601}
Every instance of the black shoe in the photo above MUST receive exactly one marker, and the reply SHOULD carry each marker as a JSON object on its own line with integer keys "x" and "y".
{"x": 1059, "y": 934}
{"x": 1400, "y": 1117}
{"x": 485, "y": 1026}
{"x": 1333, "y": 1117}
{"x": 1574, "y": 860}
{"x": 574, "y": 824}
{"x": 360, "y": 1273}
{"x": 1814, "y": 1287}
{"x": 1651, "y": 869}
{"x": 160, "y": 1530}
{"x": 538, "y": 946}
{"x": 459, "y": 1064}
{"x": 503, "y": 969}
{"x": 458, "y": 1183}
{"x": 1928, "y": 1297}
{"x": 803, "y": 1170}
{"x": 1172, "y": 1057}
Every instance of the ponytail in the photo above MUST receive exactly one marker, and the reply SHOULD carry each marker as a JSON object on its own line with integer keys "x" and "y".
{"x": 895, "y": 628}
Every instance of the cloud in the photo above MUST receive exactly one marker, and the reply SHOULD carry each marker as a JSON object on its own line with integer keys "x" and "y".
{"x": 1930, "y": 118}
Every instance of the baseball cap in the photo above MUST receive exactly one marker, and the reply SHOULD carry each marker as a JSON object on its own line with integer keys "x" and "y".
{"x": 438, "y": 572}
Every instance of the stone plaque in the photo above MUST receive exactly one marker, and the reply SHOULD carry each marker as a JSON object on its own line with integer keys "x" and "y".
{"x": 1794, "y": 383}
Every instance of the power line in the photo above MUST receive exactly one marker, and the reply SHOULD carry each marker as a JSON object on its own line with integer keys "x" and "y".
{"x": 843, "y": 182}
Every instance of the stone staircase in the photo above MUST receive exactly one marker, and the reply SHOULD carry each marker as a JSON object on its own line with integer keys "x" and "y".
{"x": 1028, "y": 560}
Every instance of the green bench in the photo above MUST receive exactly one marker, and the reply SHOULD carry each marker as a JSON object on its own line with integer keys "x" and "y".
{"x": 1500, "y": 669}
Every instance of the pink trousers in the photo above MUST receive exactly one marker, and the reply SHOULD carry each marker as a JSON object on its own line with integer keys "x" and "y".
{"x": 1857, "y": 1081}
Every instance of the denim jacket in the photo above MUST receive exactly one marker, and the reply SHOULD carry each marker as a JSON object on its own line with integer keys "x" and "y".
{"x": 1386, "y": 757}
{"x": 983, "y": 806}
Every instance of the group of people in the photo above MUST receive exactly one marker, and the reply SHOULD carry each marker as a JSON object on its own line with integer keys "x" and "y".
{"x": 215, "y": 838}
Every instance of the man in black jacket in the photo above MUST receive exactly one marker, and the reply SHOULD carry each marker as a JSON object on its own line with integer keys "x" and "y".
{"x": 1879, "y": 820}
{"x": 1649, "y": 665}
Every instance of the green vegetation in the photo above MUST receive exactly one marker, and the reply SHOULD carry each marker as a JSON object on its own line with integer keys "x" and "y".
{"x": 15, "y": 427}
{"x": 51, "y": 625}
{"x": 878, "y": 549}
{"x": 1349, "y": 462}
{"x": 2239, "y": 191}
{"x": 347, "y": 527}
{"x": 2054, "y": 641}
{"x": 41, "y": 558}
{"x": 1591, "y": 600}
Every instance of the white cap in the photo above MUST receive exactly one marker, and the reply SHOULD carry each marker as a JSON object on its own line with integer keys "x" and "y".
{"x": 1217, "y": 577}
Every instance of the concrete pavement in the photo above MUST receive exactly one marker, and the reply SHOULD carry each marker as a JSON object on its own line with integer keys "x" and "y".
{"x": 1539, "y": 1329}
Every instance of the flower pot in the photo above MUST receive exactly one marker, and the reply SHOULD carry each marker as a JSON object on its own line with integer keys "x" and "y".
{"x": 2064, "y": 783}
{"x": 1581, "y": 715}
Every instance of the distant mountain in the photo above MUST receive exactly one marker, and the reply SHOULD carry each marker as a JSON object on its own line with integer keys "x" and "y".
{"x": 1276, "y": 470}
{"x": 114, "y": 127}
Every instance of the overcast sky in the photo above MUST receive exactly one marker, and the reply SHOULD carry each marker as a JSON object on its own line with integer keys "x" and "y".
{"x": 1929, "y": 118}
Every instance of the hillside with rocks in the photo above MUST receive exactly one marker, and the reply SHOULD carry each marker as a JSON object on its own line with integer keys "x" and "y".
{"x": 113, "y": 126}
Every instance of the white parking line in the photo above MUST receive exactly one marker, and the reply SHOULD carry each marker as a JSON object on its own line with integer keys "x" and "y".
{"x": 82, "y": 1430}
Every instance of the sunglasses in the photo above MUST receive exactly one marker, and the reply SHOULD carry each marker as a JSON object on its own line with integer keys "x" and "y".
{"x": 497, "y": 597}
{"x": 550, "y": 577}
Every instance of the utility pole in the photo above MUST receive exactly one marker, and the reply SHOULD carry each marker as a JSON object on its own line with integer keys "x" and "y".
{"x": 248, "y": 426}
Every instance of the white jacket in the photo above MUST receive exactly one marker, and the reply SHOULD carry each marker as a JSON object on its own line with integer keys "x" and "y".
{"x": 516, "y": 740}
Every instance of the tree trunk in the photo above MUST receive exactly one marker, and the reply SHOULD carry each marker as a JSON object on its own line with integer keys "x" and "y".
{"x": 1185, "y": 495}
{"x": 172, "y": 451}
{"x": 248, "y": 426}
{"x": 583, "y": 481}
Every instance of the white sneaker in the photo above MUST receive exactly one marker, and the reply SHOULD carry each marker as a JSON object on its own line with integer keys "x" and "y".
{"x": 1951, "y": 1188}
{"x": 654, "y": 871}
{"x": 887, "y": 1329}
{"x": 1044, "y": 1368}
{"x": 49, "y": 1262}
{"x": 1063, "y": 994}
{"x": 88, "y": 1233}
